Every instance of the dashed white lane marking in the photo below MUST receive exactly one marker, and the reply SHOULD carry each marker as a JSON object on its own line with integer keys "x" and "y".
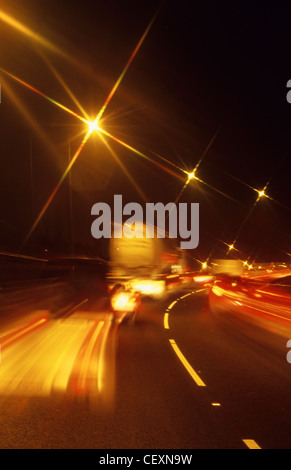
{"x": 186, "y": 364}
{"x": 251, "y": 444}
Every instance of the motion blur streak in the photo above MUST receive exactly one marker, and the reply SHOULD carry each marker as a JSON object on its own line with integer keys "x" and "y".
{"x": 10, "y": 337}
{"x": 102, "y": 369}
{"x": 149, "y": 287}
{"x": 86, "y": 363}
{"x": 75, "y": 355}
{"x": 93, "y": 374}
{"x": 254, "y": 304}
{"x": 32, "y": 365}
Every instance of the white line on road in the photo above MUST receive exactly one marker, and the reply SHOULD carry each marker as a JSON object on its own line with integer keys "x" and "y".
{"x": 186, "y": 364}
{"x": 172, "y": 304}
{"x": 166, "y": 321}
{"x": 251, "y": 444}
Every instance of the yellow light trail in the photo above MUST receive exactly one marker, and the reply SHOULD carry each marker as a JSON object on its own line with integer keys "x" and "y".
{"x": 43, "y": 360}
{"x": 102, "y": 372}
{"x": 20, "y": 332}
{"x": 65, "y": 350}
{"x": 88, "y": 355}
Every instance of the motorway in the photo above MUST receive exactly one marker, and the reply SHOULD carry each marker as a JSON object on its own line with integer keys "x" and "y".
{"x": 182, "y": 377}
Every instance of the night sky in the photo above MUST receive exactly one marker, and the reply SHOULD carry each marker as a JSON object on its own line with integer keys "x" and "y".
{"x": 207, "y": 73}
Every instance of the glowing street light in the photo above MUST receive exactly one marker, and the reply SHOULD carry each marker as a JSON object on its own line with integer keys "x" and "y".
{"x": 191, "y": 175}
{"x": 231, "y": 247}
{"x": 261, "y": 193}
{"x": 93, "y": 126}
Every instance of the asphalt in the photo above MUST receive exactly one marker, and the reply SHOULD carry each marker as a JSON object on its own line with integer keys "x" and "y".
{"x": 151, "y": 401}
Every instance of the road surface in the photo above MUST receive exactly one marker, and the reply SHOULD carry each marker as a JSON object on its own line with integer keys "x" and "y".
{"x": 182, "y": 377}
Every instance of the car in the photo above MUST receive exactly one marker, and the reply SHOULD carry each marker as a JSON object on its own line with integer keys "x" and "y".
{"x": 266, "y": 304}
{"x": 124, "y": 303}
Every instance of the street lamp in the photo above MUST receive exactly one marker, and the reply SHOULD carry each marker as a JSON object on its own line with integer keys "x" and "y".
{"x": 93, "y": 126}
{"x": 261, "y": 193}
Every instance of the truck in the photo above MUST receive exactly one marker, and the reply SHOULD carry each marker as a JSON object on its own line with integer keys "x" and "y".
{"x": 143, "y": 267}
{"x": 227, "y": 267}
